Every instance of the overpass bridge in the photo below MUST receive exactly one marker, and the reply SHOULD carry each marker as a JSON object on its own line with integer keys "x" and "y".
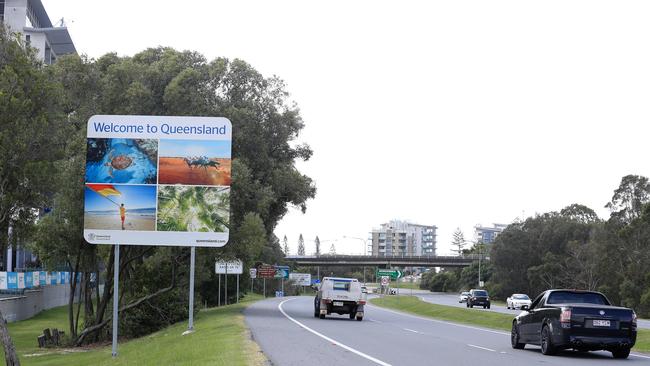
{"x": 387, "y": 262}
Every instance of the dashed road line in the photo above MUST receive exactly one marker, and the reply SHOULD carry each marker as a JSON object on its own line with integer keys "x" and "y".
{"x": 483, "y": 348}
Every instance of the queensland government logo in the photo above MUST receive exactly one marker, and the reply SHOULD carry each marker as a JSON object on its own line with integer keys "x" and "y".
{"x": 93, "y": 237}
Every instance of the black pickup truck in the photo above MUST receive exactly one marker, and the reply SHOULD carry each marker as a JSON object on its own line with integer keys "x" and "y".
{"x": 582, "y": 320}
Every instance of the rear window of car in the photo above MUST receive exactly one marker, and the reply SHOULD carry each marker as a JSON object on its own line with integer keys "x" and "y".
{"x": 341, "y": 286}
{"x": 569, "y": 297}
{"x": 521, "y": 297}
{"x": 480, "y": 293}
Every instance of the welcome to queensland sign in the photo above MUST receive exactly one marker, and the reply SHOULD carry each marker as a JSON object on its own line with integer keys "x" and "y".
{"x": 158, "y": 180}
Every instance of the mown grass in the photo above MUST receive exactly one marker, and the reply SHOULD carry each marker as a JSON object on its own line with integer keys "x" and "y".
{"x": 411, "y": 304}
{"x": 220, "y": 338}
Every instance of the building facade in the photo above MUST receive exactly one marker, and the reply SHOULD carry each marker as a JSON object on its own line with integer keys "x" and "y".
{"x": 29, "y": 18}
{"x": 486, "y": 234}
{"x": 400, "y": 238}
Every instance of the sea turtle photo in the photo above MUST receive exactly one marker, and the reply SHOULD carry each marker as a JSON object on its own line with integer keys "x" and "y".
{"x": 119, "y": 162}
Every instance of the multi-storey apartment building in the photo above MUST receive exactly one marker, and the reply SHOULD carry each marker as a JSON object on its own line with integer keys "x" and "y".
{"x": 29, "y": 18}
{"x": 398, "y": 238}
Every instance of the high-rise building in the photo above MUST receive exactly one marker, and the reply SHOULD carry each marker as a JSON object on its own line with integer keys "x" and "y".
{"x": 486, "y": 234}
{"x": 29, "y": 18}
{"x": 400, "y": 238}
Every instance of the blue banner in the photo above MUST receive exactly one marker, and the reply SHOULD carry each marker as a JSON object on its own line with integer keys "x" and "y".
{"x": 53, "y": 276}
{"x": 42, "y": 278}
{"x": 29, "y": 280}
{"x": 12, "y": 280}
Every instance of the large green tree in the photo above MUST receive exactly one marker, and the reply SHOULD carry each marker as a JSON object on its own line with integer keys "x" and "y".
{"x": 163, "y": 81}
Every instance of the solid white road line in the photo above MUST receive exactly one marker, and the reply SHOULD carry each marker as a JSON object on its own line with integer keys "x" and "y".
{"x": 359, "y": 353}
{"x": 483, "y": 348}
{"x": 641, "y": 356}
{"x": 440, "y": 321}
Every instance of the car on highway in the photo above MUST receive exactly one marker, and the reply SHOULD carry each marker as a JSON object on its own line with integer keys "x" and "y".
{"x": 518, "y": 301}
{"x": 582, "y": 320}
{"x": 478, "y": 297}
{"x": 341, "y": 296}
{"x": 463, "y": 296}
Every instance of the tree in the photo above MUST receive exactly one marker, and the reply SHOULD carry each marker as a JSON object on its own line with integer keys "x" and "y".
{"x": 301, "y": 246}
{"x": 332, "y": 250}
{"x": 163, "y": 81}
{"x": 458, "y": 241}
{"x": 317, "y": 242}
{"x": 285, "y": 245}
{"x": 629, "y": 198}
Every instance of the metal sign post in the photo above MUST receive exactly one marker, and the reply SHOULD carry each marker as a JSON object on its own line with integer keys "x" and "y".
{"x": 238, "y": 288}
{"x": 225, "y": 286}
{"x": 265, "y": 287}
{"x": 116, "y": 297}
{"x": 219, "y": 292}
{"x": 190, "y": 326}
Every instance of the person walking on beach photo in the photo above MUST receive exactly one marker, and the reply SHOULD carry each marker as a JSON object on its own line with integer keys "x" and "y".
{"x": 122, "y": 215}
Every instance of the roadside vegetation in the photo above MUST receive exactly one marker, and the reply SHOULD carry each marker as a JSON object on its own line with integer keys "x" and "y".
{"x": 572, "y": 248}
{"x": 487, "y": 319}
{"x": 43, "y": 123}
{"x": 220, "y": 338}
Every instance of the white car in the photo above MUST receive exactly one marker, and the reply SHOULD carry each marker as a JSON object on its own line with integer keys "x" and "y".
{"x": 463, "y": 296}
{"x": 517, "y": 301}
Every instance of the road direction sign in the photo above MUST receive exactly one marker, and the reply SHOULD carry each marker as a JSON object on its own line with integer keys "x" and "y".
{"x": 392, "y": 273}
{"x": 229, "y": 267}
{"x": 139, "y": 167}
{"x": 253, "y": 273}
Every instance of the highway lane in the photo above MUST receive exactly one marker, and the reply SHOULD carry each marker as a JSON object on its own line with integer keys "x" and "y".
{"x": 443, "y": 298}
{"x": 288, "y": 333}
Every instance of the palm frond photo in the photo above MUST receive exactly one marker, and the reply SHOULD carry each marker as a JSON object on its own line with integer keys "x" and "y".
{"x": 193, "y": 209}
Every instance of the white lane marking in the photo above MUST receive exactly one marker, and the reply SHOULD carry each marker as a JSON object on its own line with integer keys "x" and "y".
{"x": 441, "y": 321}
{"x": 367, "y": 357}
{"x": 636, "y": 355}
{"x": 479, "y": 347}
{"x": 374, "y": 321}
{"x": 411, "y": 330}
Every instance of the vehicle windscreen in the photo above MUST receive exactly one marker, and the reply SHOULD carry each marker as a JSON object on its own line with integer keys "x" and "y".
{"x": 521, "y": 297}
{"x": 568, "y": 297}
{"x": 480, "y": 293}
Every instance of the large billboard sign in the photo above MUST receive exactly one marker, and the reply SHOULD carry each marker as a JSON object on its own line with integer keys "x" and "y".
{"x": 158, "y": 180}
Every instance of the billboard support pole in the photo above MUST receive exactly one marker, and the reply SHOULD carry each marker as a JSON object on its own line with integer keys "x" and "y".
{"x": 116, "y": 297}
{"x": 219, "y": 296}
{"x": 238, "y": 288}
{"x": 225, "y": 286}
{"x": 190, "y": 326}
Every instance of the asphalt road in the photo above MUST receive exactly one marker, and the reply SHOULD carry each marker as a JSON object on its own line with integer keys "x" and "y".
{"x": 443, "y": 298}
{"x": 288, "y": 333}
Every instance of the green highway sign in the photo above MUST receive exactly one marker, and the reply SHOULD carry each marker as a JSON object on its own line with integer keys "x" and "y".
{"x": 392, "y": 273}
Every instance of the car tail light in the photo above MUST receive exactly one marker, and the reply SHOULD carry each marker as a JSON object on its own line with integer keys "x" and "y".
{"x": 565, "y": 316}
{"x": 327, "y": 301}
{"x": 361, "y": 302}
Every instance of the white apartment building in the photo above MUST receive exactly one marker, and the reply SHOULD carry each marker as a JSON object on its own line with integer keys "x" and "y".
{"x": 29, "y": 18}
{"x": 401, "y": 238}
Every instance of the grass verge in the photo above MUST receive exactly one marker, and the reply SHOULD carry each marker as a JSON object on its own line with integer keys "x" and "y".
{"x": 220, "y": 338}
{"x": 413, "y": 305}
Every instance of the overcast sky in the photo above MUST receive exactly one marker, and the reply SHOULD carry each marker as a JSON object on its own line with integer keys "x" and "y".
{"x": 447, "y": 113}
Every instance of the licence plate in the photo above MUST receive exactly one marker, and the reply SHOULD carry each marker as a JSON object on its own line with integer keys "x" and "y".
{"x": 602, "y": 323}
{"x": 338, "y": 303}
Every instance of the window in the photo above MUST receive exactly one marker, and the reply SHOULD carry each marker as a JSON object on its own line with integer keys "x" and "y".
{"x": 341, "y": 286}
{"x": 570, "y": 297}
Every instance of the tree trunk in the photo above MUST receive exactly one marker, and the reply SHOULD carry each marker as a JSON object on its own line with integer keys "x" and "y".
{"x": 10, "y": 352}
